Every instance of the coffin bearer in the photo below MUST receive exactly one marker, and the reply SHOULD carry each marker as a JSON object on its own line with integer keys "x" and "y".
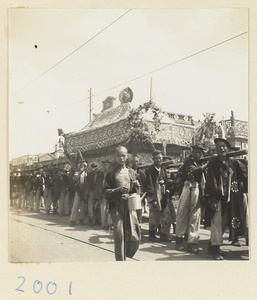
{"x": 79, "y": 204}
{"x": 158, "y": 199}
{"x": 189, "y": 207}
{"x": 120, "y": 182}
{"x": 223, "y": 195}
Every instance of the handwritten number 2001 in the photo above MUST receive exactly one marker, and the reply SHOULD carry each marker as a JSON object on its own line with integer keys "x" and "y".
{"x": 51, "y": 287}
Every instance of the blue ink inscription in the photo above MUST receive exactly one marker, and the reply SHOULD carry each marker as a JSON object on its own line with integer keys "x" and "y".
{"x": 53, "y": 283}
{"x": 18, "y": 289}
{"x": 37, "y": 282}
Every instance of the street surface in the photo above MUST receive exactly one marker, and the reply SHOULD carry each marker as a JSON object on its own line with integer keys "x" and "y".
{"x": 42, "y": 237}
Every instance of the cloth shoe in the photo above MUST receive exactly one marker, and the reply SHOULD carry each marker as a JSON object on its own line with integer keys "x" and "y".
{"x": 179, "y": 244}
{"x": 152, "y": 236}
{"x": 235, "y": 242}
{"x": 192, "y": 248}
{"x": 164, "y": 238}
{"x": 158, "y": 231}
{"x": 216, "y": 253}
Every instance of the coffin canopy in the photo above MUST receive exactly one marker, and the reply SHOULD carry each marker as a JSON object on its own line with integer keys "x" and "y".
{"x": 107, "y": 129}
{"x": 112, "y": 127}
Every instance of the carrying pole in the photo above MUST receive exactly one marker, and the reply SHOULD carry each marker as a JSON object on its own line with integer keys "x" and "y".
{"x": 125, "y": 228}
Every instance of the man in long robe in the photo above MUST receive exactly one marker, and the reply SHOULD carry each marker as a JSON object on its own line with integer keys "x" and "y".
{"x": 223, "y": 195}
{"x": 120, "y": 182}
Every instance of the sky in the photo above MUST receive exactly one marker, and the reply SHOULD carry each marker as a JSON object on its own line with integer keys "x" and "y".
{"x": 202, "y": 56}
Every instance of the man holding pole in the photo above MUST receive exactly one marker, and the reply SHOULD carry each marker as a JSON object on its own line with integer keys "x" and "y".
{"x": 224, "y": 195}
{"x": 120, "y": 182}
{"x": 189, "y": 207}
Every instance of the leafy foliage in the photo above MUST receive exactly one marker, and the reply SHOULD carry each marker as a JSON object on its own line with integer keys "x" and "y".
{"x": 140, "y": 131}
{"x": 208, "y": 130}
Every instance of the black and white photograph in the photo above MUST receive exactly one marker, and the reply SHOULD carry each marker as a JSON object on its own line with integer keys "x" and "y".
{"x": 128, "y": 135}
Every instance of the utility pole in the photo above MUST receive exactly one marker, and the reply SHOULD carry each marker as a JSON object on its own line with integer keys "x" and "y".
{"x": 90, "y": 105}
{"x": 151, "y": 97}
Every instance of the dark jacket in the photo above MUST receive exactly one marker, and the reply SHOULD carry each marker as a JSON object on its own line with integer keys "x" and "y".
{"x": 236, "y": 171}
{"x": 140, "y": 176}
{"x": 99, "y": 185}
{"x": 191, "y": 170}
{"x": 78, "y": 187}
{"x": 213, "y": 191}
{"x": 67, "y": 183}
{"x": 91, "y": 180}
{"x": 151, "y": 176}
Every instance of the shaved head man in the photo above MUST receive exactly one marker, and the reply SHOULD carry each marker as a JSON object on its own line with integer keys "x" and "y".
{"x": 119, "y": 184}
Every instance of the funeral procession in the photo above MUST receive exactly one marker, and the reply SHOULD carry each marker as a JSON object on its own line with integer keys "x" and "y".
{"x": 154, "y": 167}
{"x": 180, "y": 193}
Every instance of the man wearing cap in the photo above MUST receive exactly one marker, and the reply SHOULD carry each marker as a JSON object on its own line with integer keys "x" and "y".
{"x": 189, "y": 207}
{"x": 223, "y": 196}
{"x": 120, "y": 182}
{"x": 157, "y": 198}
{"x": 79, "y": 198}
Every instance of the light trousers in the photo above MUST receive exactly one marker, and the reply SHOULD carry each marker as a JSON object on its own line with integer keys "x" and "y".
{"x": 64, "y": 203}
{"x": 78, "y": 209}
{"x": 91, "y": 205}
{"x": 31, "y": 200}
{"x": 162, "y": 218}
{"x": 48, "y": 200}
{"x": 219, "y": 224}
{"x": 189, "y": 212}
{"x": 37, "y": 200}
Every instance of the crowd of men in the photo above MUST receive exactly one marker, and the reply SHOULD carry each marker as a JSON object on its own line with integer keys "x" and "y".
{"x": 217, "y": 187}
{"x": 67, "y": 191}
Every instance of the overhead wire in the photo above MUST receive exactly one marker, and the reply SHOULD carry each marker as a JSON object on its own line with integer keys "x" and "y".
{"x": 56, "y": 64}
{"x": 173, "y": 63}
{"x": 163, "y": 67}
